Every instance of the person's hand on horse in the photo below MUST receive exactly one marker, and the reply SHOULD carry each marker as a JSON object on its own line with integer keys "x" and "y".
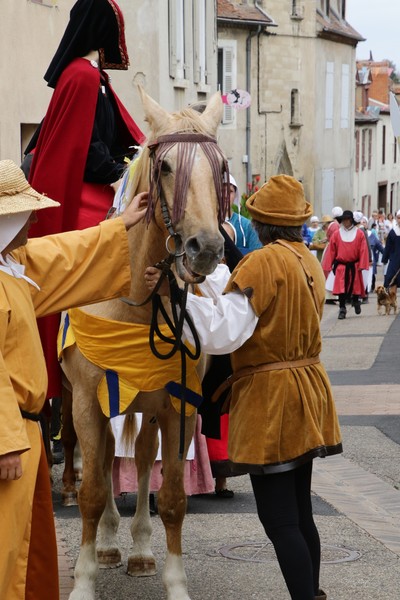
{"x": 10, "y": 466}
{"x": 151, "y": 277}
{"x": 135, "y": 210}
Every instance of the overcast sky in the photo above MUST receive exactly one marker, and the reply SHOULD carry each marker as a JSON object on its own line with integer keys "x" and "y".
{"x": 379, "y": 22}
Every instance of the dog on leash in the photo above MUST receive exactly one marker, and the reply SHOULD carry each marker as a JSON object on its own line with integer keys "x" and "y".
{"x": 386, "y": 299}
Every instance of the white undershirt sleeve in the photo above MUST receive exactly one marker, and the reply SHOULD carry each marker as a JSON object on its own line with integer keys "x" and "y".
{"x": 223, "y": 323}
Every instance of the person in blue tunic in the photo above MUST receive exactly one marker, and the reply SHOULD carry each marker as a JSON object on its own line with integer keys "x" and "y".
{"x": 246, "y": 238}
{"x": 391, "y": 255}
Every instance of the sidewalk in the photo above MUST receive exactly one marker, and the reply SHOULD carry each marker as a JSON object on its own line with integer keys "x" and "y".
{"x": 357, "y": 498}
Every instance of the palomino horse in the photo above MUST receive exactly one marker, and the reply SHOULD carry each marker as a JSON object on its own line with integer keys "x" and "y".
{"x": 188, "y": 201}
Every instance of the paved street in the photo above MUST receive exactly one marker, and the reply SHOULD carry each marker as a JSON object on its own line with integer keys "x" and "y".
{"x": 356, "y": 496}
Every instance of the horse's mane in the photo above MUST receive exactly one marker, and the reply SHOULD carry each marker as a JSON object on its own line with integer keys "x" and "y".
{"x": 187, "y": 120}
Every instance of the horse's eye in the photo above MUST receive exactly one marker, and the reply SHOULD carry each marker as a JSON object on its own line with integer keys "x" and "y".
{"x": 165, "y": 168}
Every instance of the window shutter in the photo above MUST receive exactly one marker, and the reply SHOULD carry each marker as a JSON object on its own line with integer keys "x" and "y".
{"x": 228, "y": 81}
{"x": 330, "y": 71}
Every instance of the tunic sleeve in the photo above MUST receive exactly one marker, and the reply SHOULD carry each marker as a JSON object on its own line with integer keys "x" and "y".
{"x": 78, "y": 267}
{"x": 12, "y": 430}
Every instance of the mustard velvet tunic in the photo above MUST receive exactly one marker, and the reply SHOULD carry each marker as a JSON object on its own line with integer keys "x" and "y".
{"x": 282, "y": 418}
{"x": 71, "y": 269}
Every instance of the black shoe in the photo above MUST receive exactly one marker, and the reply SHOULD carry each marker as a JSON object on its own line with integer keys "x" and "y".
{"x": 58, "y": 452}
{"x": 330, "y": 301}
{"x": 342, "y": 313}
{"x": 357, "y": 307}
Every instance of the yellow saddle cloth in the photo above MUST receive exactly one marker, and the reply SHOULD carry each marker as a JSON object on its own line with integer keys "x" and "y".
{"x": 123, "y": 352}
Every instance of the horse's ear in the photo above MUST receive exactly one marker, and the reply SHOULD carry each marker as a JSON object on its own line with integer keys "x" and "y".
{"x": 154, "y": 114}
{"x": 213, "y": 112}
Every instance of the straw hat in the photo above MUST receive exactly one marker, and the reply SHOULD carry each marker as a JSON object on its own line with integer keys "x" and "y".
{"x": 280, "y": 201}
{"x": 16, "y": 195}
{"x": 326, "y": 219}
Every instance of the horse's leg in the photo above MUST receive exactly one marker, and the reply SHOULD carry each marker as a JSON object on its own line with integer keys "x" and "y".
{"x": 172, "y": 500}
{"x": 68, "y": 437}
{"x": 91, "y": 427}
{"x": 108, "y": 553}
{"x": 141, "y": 561}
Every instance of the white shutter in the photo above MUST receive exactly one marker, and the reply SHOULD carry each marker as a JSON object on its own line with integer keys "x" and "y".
{"x": 329, "y": 81}
{"x": 344, "y": 109}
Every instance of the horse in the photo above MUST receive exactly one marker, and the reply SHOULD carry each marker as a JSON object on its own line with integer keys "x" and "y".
{"x": 188, "y": 200}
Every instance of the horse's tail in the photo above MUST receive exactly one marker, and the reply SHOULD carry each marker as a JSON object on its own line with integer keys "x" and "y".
{"x": 129, "y": 433}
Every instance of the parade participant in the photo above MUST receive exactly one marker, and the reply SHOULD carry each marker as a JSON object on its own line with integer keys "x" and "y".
{"x": 80, "y": 146}
{"x": 282, "y": 414}
{"x": 245, "y": 237}
{"x": 348, "y": 256}
{"x": 320, "y": 239}
{"x": 39, "y": 277}
{"x": 391, "y": 255}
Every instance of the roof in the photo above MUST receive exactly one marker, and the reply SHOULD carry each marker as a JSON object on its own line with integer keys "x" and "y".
{"x": 381, "y": 83}
{"x": 361, "y": 118}
{"x": 337, "y": 29}
{"x": 241, "y": 15}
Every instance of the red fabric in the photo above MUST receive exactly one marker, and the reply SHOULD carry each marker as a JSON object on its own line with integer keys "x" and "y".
{"x": 218, "y": 449}
{"x": 60, "y": 155}
{"x": 58, "y": 168}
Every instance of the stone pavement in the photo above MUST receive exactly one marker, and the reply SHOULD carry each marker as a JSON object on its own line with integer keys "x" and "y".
{"x": 356, "y": 495}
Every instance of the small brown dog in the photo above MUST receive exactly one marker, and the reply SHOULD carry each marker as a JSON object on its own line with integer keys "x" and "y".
{"x": 386, "y": 299}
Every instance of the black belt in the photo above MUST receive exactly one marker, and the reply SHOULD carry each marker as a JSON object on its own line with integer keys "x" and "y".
{"x": 30, "y": 416}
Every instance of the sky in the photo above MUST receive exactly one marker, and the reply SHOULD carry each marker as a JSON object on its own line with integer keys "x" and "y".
{"x": 379, "y": 22}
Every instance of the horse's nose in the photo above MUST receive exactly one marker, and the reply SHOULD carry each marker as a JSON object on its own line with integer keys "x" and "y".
{"x": 204, "y": 245}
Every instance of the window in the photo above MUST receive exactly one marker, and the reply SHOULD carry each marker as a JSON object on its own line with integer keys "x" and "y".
{"x": 325, "y": 6}
{"x": 384, "y": 144}
{"x": 363, "y": 149}
{"x": 199, "y": 37}
{"x": 345, "y": 103}
{"x": 329, "y": 76}
{"x": 369, "y": 148}
{"x": 177, "y": 39}
{"x": 227, "y": 75}
{"x": 294, "y": 107}
{"x": 357, "y": 143}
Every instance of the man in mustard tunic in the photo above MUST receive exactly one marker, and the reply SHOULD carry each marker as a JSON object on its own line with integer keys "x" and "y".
{"x": 282, "y": 413}
{"x": 37, "y": 278}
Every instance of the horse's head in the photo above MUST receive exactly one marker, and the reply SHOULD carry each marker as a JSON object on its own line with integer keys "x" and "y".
{"x": 188, "y": 183}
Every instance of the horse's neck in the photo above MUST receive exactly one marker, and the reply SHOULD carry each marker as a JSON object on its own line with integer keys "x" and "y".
{"x": 146, "y": 248}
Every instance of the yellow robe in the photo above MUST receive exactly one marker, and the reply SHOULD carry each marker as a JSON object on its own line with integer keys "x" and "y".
{"x": 279, "y": 419}
{"x": 71, "y": 269}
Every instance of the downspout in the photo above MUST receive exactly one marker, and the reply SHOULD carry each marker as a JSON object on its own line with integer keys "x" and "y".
{"x": 248, "y": 114}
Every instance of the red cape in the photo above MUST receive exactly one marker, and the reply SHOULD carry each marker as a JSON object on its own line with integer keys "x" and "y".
{"x": 60, "y": 155}
{"x": 58, "y": 168}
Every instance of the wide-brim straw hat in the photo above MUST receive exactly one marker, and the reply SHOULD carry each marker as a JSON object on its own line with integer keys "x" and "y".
{"x": 16, "y": 195}
{"x": 281, "y": 202}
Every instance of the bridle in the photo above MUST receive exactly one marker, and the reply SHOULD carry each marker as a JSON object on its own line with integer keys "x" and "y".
{"x": 159, "y": 148}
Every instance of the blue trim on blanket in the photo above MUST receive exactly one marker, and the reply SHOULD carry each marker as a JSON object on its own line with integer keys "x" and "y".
{"x": 65, "y": 329}
{"x": 175, "y": 389}
{"x": 113, "y": 392}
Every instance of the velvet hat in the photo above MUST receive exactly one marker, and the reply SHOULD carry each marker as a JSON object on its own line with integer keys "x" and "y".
{"x": 280, "y": 201}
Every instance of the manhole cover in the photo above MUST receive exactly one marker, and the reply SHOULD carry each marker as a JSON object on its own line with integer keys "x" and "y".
{"x": 261, "y": 552}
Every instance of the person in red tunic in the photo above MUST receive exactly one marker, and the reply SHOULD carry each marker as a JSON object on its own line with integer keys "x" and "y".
{"x": 80, "y": 146}
{"x": 349, "y": 255}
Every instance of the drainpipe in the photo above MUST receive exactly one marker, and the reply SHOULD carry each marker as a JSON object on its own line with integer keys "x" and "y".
{"x": 248, "y": 115}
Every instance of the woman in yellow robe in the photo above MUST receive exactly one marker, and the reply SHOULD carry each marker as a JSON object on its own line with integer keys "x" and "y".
{"x": 40, "y": 277}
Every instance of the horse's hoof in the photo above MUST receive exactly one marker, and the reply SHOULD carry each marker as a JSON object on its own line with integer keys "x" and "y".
{"x": 69, "y": 499}
{"x": 109, "y": 559}
{"x": 141, "y": 566}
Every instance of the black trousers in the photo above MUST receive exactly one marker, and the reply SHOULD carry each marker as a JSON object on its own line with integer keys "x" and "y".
{"x": 285, "y": 511}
